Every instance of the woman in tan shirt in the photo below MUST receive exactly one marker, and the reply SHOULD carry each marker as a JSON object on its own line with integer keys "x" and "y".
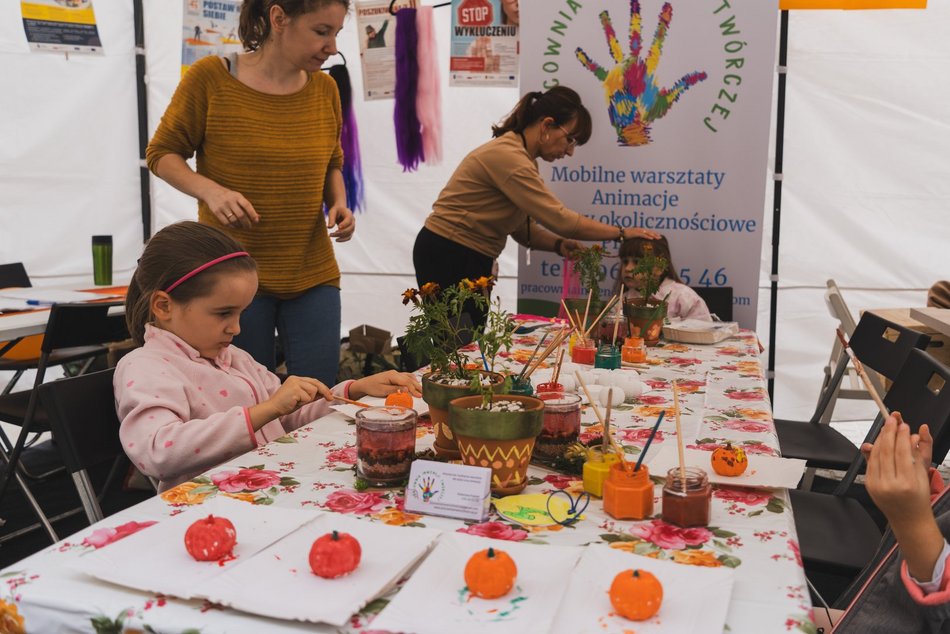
{"x": 497, "y": 191}
{"x": 265, "y": 126}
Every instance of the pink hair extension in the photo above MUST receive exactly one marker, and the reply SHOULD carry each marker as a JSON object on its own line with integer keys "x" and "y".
{"x": 428, "y": 93}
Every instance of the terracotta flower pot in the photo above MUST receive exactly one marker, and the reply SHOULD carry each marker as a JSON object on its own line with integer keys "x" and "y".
{"x": 438, "y": 396}
{"x": 502, "y": 441}
{"x": 645, "y": 321}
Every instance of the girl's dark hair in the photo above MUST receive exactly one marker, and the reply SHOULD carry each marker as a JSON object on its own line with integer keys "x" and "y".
{"x": 560, "y": 103}
{"x": 254, "y": 26}
{"x": 171, "y": 254}
{"x": 636, "y": 248}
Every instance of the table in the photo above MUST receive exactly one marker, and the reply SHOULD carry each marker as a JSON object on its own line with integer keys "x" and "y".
{"x": 723, "y": 397}
{"x": 929, "y": 321}
{"x": 936, "y": 318}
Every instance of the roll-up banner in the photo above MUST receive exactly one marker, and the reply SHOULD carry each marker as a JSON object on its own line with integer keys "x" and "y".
{"x": 680, "y": 94}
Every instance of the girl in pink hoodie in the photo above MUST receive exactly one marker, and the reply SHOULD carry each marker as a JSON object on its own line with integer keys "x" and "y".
{"x": 189, "y": 400}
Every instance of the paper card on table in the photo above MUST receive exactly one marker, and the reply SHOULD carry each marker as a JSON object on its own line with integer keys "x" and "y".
{"x": 349, "y": 410}
{"x": 695, "y": 598}
{"x": 51, "y": 295}
{"x": 763, "y": 471}
{"x": 436, "y": 600}
{"x": 449, "y": 490}
{"x": 278, "y": 581}
{"x": 163, "y": 565}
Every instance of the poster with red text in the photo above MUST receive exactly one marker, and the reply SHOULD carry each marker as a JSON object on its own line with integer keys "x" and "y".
{"x": 484, "y": 43}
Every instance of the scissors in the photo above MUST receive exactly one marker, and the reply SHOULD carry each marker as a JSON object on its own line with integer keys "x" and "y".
{"x": 574, "y": 509}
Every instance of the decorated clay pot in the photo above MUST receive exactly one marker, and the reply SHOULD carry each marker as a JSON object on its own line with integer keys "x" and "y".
{"x": 645, "y": 321}
{"x": 500, "y": 440}
{"x": 437, "y": 396}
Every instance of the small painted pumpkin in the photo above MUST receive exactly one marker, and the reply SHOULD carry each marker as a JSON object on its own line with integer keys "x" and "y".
{"x": 399, "y": 398}
{"x": 210, "y": 539}
{"x": 729, "y": 460}
{"x": 636, "y": 594}
{"x": 334, "y": 555}
{"x": 490, "y": 573}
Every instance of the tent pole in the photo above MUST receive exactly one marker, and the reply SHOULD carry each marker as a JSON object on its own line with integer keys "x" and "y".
{"x": 140, "y": 82}
{"x": 777, "y": 198}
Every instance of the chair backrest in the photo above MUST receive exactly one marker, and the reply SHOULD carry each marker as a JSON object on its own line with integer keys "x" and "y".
{"x": 83, "y": 419}
{"x": 838, "y": 309}
{"x": 72, "y": 325}
{"x": 921, "y": 393}
{"x": 14, "y": 275}
{"x": 883, "y": 345}
{"x": 718, "y": 299}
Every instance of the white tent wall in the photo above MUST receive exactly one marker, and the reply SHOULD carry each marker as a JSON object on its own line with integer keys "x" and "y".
{"x": 865, "y": 176}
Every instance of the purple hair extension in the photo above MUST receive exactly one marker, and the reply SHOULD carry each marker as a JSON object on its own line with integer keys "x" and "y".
{"x": 408, "y": 135}
{"x": 429, "y": 95}
{"x": 349, "y": 140}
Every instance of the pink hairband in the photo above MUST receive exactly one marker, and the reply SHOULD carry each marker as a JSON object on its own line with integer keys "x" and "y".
{"x": 206, "y": 265}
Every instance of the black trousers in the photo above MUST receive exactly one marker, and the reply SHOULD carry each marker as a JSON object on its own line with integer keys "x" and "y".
{"x": 447, "y": 263}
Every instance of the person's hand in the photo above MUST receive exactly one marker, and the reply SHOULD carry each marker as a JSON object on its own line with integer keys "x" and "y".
{"x": 569, "y": 246}
{"x": 635, "y": 100}
{"x": 922, "y": 441}
{"x": 385, "y": 383}
{"x": 637, "y": 232}
{"x": 897, "y": 478}
{"x": 296, "y": 392}
{"x": 342, "y": 218}
{"x": 231, "y": 208}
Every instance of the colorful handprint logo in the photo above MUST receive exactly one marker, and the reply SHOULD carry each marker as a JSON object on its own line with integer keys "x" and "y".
{"x": 426, "y": 487}
{"x": 634, "y": 100}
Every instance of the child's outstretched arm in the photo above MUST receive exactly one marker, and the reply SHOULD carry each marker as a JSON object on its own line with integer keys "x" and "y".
{"x": 292, "y": 394}
{"x": 385, "y": 383}
{"x": 898, "y": 482}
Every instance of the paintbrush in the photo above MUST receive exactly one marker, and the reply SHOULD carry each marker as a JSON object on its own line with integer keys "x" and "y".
{"x": 350, "y": 401}
{"x": 531, "y": 358}
{"x": 863, "y": 374}
{"x": 613, "y": 300}
{"x": 679, "y": 434}
{"x": 649, "y": 440}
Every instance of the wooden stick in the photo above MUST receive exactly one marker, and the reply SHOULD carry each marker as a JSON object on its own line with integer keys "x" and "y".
{"x": 351, "y": 402}
{"x": 569, "y": 317}
{"x": 558, "y": 338}
{"x": 613, "y": 300}
{"x": 607, "y": 440}
{"x": 864, "y": 376}
{"x": 590, "y": 294}
{"x": 557, "y": 365}
{"x": 583, "y": 385}
{"x": 531, "y": 358}
{"x": 679, "y": 433}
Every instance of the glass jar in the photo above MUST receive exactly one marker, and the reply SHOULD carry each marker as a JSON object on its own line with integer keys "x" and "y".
{"x": 628, "y": 494}
{"x": 561, "y": 427}
{"x": 607, "y": 357}
{"x": 612, "y": 329}
{"x": 385, "y": 444}
{"x": 634, "y": 350}
{"x": 596, "y": 469}
{"x": 584, "y": 351}
{"x": 689, "y": 505}
{"x": 522, "y": 387}
{"x": 549, "y": 388}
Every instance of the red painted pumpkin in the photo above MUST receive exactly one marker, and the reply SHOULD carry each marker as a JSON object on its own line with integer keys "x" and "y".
{"x": 210, "y": 539}
{"x": 729, "y": 460}
{"x": 490, "y": 573}
{"x": 334, "y": 555}
{"x": 399, "y": 399}
{"x": 636, "y": 594}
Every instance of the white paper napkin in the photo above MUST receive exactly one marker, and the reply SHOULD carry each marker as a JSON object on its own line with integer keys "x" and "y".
{"x": 763, "y": 471}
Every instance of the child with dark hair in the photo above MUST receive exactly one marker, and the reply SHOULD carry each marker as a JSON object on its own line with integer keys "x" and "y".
{"x": 189, "y": 400}
{"x": 682, "y": 301}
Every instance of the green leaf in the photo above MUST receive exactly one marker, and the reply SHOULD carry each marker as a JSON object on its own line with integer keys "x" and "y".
{"x": 535, "y": 480}
{"x": 202, "y": 480}
{"x": 288, "y": 481}
{"x": 646, "y": 548}
{"x": 775, "y": 505}
{"x": 105, "y": 625}
{"x": 259, "y": 467}
{"x": 611, "y": 538}
{"x": 288, "y": 439}
{"x": 204, "y": 489}
{"x": 754, "y": 513}
{"x": 273, "y": 490}
{"x": 730, "y": 561}
{"x": 375, "y": 607}
{"x": 264, "y": 500}
{"x": 718, "y": 532}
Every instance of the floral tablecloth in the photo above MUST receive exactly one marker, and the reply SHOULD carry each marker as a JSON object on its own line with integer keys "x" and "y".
{"x": 723, "y": 397}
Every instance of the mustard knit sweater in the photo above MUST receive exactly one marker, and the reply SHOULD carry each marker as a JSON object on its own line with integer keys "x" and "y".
{"x": 276, "y": 151}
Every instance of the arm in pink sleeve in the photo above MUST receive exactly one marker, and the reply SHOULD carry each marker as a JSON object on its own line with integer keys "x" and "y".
{"x": 312, "y": 411}
{"x": 934, "y": 591}
{"x": 159, "y": 433}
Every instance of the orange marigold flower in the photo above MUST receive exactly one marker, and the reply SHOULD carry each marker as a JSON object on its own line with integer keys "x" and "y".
{"x": 467, "y": 285}
{"x": 429, "y": 289}
{"x": 485, "y": 282}
{"x": 409, "y": 295}
{"x": 10, "y": 619}
{"x": 182, "y": 494}
{"x": 696, "y": 558}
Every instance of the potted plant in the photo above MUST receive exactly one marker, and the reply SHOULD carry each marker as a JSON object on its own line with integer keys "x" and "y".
{"x": 497, "y": 431}
{"x": 586, "y": 263}
{"x": 437, "y": 330}
{"x": 645, "y": 314}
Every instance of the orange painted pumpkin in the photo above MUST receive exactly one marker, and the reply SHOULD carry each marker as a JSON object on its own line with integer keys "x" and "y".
{"x": 729, "y": 460}
{"x": 334, "y": 555}
{"x": 490, "y": 573}
{"x": 210, "y": 539}
{"x": 636, "y": 594}
{"x": 399, "y": 399}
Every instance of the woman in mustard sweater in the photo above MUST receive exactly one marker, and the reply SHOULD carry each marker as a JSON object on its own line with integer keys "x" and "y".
{"x": 265, "y": 126}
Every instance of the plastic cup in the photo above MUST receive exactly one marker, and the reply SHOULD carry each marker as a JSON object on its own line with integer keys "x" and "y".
{"x": 102, "y": 260}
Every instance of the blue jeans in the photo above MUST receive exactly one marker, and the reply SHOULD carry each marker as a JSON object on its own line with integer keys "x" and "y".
{"x": 308, "y": 327}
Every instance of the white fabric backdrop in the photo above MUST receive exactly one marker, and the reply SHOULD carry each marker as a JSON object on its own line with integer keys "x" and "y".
{"x": 866, "y": 169}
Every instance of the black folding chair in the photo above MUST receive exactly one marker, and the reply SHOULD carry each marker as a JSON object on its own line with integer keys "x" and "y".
{"x": 836, "y": 534}
{"x": 85, "y": 425}
{"x": 880, "y": 345}
{"x": 718, "y": 300}
{"x": 69, "y": 325}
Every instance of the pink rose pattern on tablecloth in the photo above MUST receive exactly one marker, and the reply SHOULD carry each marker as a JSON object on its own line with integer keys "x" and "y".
{"x": 730, "y": 404}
